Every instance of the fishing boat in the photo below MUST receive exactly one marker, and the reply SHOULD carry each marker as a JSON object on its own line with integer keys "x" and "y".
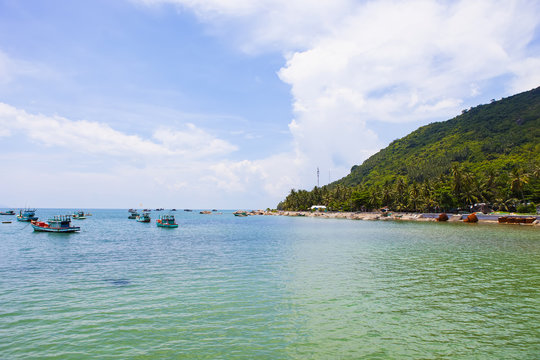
{"x": 7, "y": 212}
{"x": 27, "y": 215}
{"x": 133, "y": 214}
{"x": 145, "y": 217}
{"x": 58, "y": 224}
{"x": 166, "y": 221}
{"x": 79, "y": 215}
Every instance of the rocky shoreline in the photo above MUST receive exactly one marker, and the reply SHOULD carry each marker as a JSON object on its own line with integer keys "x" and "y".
{"x": 393, "y": 216}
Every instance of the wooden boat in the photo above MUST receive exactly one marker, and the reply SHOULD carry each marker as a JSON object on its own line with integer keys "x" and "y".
{"x": 133, "y": 214}
{"x": 58, "y": 224}
{"x": 205, "y": 212}
{"x": 8, "y": 212}
{"x": 27, "y": 215}
{"x": 189, "y": 210}
{"x": 166, "y": 221}
{"x": 145, "y": 217}
{"x": 79, "y": 215}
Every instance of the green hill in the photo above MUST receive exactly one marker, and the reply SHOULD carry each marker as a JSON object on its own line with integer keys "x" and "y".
{"x": 496, "y": 142}
{"x": 499, "y": 136}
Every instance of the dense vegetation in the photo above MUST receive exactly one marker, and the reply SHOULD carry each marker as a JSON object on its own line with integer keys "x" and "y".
{"x": 488, "y": 154}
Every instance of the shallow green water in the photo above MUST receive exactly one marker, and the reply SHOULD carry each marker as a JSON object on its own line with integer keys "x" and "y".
{"x": 222, "y": 287}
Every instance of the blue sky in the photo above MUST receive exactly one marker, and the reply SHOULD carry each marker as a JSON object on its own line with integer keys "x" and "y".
{"x": 231, "y": 103}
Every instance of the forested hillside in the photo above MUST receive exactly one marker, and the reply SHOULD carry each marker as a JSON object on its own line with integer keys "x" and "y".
{"x": 490, "y": 153}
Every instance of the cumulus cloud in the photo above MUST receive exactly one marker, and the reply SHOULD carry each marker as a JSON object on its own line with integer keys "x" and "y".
{"x": 185, "y": 163}
{"x": 352, "y": 63}
{"x": 99, "y": 138}
{"x": 193, "y": 142}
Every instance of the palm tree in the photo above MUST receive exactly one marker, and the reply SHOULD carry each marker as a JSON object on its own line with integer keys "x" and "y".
{"x": 414, "y": 195}
{"x": 457, "y": 181}
{"x": 518, "y": 179}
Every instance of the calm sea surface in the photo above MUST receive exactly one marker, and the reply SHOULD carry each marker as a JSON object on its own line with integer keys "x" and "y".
{"x": 263, "y": 287}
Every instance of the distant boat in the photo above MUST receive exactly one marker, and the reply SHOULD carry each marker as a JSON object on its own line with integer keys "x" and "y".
{"x": 206, "y": 212}
{"x": 188, "y": 210}
{"x": 133, "y": 214}
{"x": 145, "y": 217}
{"x": 166, "y": 221}
{"x": 79, "y": 215}
{"x": 214, "y": 209}
{"x": 173, "y": 209}
{"x": 8, "y": 212}
{"x": 58, "y": 224}
{"x": 27, "y": 215}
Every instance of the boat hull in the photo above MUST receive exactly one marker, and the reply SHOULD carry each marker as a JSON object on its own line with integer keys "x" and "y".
{"x": 56, "y": 230}
{"x": 167, "y": 225}
{"x": 26, "y": 219}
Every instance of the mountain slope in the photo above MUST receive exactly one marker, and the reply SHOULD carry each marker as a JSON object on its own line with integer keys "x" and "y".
{"x": 488, "y": 154}
{"x": 499, "y": 136}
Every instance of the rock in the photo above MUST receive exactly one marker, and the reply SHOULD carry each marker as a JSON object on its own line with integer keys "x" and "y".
{"x": 442, "y": 217}
{"x": 472, "y": 218}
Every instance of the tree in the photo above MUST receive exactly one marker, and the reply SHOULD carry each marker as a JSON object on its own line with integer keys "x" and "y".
{"x": 518, "y": 179}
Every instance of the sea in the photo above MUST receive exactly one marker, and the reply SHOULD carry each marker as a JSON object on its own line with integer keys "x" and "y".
{"x": 268, "y": 287}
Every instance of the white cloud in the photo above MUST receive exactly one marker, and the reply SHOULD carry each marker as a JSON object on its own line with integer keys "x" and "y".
{"x": 351, "y": 63}
{"x": 193, "y": 142}
{"x": 99, "y": 138}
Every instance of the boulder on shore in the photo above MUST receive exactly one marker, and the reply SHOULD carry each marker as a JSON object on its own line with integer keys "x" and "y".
{"x": 471, "y": 218}
{"x": 442, "y": 217}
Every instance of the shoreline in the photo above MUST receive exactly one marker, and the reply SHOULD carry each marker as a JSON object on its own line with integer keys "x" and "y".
{"x": 396, "y": 216}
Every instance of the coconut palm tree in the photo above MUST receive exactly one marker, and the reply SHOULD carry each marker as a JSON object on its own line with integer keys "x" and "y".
{"x": 518, "y": 180}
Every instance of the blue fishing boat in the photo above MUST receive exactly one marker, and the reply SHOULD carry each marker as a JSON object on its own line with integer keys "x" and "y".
{"x": 133, "y": 214}
{"x": 58, "y": 224}
{"x": 166, "y": 221}
{"x": 79, "y": 215}
{"x": 27, "y": 215}
{"x": 7, "y": 212}
{"x": 145, "y": 217}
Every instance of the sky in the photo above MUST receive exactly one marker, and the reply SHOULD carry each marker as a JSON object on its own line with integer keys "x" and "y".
{"x": 232, "y": 103}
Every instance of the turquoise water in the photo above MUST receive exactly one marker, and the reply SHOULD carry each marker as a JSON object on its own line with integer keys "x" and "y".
{"x": 264, "y": 287}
